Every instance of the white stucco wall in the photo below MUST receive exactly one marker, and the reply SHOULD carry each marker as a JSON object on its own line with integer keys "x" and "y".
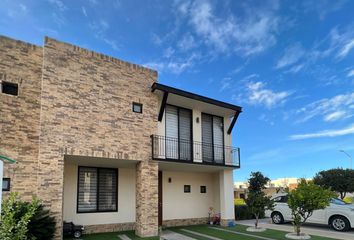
{"x": 126, "y": 199}
{"x": 180, "y": 205}
{"x": 226, "y": 194}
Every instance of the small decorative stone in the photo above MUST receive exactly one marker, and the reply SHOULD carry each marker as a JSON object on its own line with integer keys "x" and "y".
{"x": 294, "y": 236}
{"x": 253, "y": 229}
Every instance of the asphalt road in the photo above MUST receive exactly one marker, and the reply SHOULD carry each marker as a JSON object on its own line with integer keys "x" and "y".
{"x": 311, "y": 229}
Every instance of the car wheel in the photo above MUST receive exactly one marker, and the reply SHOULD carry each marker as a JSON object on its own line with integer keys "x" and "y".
{"x": 77, "y": 234}
{"x": 340, "y": 223}
{"x": 277, "y": 218}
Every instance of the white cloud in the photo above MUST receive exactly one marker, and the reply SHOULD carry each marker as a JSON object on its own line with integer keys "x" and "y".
{"x": 350, "y": 73}
{"x": 23, "y": 7}
{"x": 173, "y": 65}
{"x": 323, "y": 7}
{"x": 330, "y": 109}
{"x": 84, "y": 11}
{"x": 260, "y": 95}
{"x": 257, "y": 94}
{"x": 292, "y": 55}
{"x": 186, "y": 43}
{"x": 253, "y": 33}
{"x": 334, "y": 116}
{"x": 346, "y": 48}
{"x": 58, "y": 4}
{"x": 326, "y": 133}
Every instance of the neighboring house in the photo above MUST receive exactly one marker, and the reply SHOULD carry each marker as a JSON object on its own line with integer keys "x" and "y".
{"x": 106, "y": 146}
{"x": 273, "y": 187}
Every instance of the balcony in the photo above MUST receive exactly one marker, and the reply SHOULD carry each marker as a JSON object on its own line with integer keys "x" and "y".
{"x": 185, "y": 151}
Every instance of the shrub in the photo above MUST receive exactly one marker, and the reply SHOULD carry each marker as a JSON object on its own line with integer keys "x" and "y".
{"x": 239, "y": 201}
{"x": 15, "y": 218}
{"x": 25, "y": 220}
{"x": 42, "y": 225}
{"x": 349, "y": 199}
{"x": 242, "y": 212}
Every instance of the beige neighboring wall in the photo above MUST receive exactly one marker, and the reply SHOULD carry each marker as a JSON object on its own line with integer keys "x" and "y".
{"x": 180, "y": 205}
{"x": 126, "y": 199}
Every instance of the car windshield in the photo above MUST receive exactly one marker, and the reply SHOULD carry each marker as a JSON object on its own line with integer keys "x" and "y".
{"x": 338, "y": 201}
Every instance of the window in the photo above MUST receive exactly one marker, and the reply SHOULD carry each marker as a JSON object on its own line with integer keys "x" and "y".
{"x": 187, "y": 188}
{"x": 281, "y": 199}
{"x": 137, "y": 107}
{"x": 9, "y": 88}
{"x": 212, "y": 138}
{"x": 97, "y": 190}
{"x": 202, "y": 189}
{"x": 6, "y": 184}
{"x": 178, "y": 133}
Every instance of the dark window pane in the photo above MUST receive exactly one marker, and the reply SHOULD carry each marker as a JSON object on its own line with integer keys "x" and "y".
{"x": 203, "y": 189}
{"x": 6, "y": 184}
{"x": 9, "y": 88}
{"x": 137, "y": 107}
{"x": 187, "y": 188}
{"x": 87, "y": 192}
{"x": 107, "y": 185}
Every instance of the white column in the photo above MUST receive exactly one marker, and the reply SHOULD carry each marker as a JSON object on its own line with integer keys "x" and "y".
{"x": 226, "y": 187}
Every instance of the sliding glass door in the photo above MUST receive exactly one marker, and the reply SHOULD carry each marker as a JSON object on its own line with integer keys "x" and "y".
{"x": 212, "y": 138}
{"x": 178, "y": 133}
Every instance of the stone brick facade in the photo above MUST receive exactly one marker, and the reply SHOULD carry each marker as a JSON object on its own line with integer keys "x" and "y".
{"x": 73, "y": 101}
{"x": 21, "y": 63}
{"x": 109, "y": 228}
{"x": 147, "y": 199}
{"x": 184, "y": 222}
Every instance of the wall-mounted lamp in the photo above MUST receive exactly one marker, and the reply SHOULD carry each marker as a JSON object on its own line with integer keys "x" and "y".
{"x": 169, "y": 180}
{"x": 197, "y": 119}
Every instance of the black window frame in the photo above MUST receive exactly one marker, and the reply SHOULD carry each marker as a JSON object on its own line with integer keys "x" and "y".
{"x": 212, "y": 132}
{"x": 97, "y": 190}
{"x": 8, "y": 185}
{"x": 203, "y": 189}
{"x": 139, "y": 105}
{"x": 187, "y": 188}
{"x": 178, "y": 132}
{"x": 11, "y": 85}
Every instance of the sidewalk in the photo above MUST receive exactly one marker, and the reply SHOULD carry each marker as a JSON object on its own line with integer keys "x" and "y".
{"x": 312, "y": 230}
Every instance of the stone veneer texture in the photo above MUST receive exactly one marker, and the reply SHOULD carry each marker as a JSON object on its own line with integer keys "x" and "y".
{"x": 73, "y": 101}
{"x": 21, "y": 63}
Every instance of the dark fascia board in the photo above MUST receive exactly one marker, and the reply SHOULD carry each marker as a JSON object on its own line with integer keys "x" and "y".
{"x": 165, "y": 88}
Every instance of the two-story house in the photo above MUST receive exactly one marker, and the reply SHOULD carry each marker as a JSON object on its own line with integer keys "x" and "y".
{"x": 104, "y": 145}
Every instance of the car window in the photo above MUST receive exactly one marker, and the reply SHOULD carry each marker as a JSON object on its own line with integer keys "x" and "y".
{"x": 338, "y": 201}
{"x": 281, "y": 199}
{"x": 284, "y": 199}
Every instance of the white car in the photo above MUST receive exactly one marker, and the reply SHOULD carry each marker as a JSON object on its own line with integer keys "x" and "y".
{"x": 338, "y": 215}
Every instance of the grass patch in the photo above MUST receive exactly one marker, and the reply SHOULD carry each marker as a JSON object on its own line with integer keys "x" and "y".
{"x": 112, "y": 236}
{"x": 204, "y": 229}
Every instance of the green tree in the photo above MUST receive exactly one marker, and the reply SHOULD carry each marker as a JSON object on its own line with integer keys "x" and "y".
{"x": 305, "y": 199}
{"x": 256, "y": 200}
{"x": 338, "y": 180}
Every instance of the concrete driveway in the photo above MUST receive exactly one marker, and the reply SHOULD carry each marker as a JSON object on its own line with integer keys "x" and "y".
{"x": 323, "y": 231}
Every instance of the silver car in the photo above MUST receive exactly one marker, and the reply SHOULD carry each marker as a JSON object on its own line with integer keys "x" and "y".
{"x": 338, "y": 215}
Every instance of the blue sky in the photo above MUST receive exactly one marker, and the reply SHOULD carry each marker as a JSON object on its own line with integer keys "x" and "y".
{"x": 289, "y": 64}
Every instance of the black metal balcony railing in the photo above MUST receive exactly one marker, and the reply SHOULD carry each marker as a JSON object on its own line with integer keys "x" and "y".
{"x": 167, "y": 148}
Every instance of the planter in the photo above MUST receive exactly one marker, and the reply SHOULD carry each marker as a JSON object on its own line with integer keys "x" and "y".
{"x": 253, "y": 229}
{"x": 294, "y": 236}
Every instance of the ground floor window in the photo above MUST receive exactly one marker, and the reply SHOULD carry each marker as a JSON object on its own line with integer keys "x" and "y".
{"x": 97, "y": 190}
